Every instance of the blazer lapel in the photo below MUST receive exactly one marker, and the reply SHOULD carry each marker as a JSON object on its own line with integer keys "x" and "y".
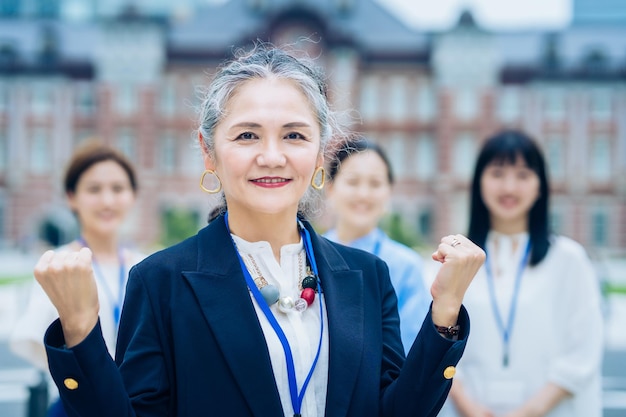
{"x": 343, "y": 294}
{"x": 225, "y": 302}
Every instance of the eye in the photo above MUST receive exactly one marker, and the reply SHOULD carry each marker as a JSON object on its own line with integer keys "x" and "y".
{"x": 524, "y": 174}
{"x": 294, "y": 136}
{"x": 119, "y": 188}
{"x": 376, "y": 183}
{"x": 247, "y": 136}
{"x": 494, "y": 171}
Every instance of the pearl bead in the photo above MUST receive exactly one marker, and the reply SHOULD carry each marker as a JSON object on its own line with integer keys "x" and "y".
{"x": 285, "y": 304}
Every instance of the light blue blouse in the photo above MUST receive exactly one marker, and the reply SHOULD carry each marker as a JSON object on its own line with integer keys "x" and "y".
{"x": 405, "y": 270}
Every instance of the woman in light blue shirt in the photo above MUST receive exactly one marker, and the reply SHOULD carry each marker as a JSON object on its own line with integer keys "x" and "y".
{"x": 359, "y": 192}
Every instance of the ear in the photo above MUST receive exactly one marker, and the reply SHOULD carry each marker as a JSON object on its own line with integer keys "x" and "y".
{"x": 206, "y": 157}
{"x": 320, "y": 160}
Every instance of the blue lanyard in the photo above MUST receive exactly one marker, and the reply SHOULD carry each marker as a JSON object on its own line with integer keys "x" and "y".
{"x": 296, "y": 398}
{"x": 506, "y": 331}
{"x": 116, "y": 305}
{"x": 376, "y": 248}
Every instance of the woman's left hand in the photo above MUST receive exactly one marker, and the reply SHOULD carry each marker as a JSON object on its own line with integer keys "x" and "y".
{"x": 460, "y": 259}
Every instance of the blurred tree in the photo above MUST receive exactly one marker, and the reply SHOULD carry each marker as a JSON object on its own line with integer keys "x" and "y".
{"x": 398, "y": 229}
{"x": 178, "y": 224}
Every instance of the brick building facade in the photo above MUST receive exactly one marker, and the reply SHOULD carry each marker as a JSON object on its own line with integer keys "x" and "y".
{"x": 429, "y": 98}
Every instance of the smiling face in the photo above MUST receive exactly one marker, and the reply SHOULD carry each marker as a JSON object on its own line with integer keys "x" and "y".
{"x": 266, "y": 148}
{"x": 102, "y": 198}
{"x": 509, "y": 191}
{"x": 360, "y": 192}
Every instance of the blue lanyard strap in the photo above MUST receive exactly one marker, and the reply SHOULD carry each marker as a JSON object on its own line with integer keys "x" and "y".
{"x": 506, "y": 331}
{"x": 376, "y": 248}
{"x": 296, "y": 398}
{"x": 116, "y": 304}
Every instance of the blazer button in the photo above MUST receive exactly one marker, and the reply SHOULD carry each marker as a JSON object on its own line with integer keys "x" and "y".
{"x": 70, "y": 383}
{"x": 449, "y": 372}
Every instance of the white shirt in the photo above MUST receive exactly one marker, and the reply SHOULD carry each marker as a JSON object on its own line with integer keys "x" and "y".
{"x": 302, "y": 330}
{"x": 556, "y": 334}
{"x": 26, "y": 339}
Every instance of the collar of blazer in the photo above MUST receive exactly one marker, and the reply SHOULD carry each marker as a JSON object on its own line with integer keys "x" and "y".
{"x": 226, "y": 304}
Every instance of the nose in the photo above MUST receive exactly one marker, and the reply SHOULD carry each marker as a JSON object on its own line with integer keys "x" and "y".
{"x": 272, "y": 153}
{"x": 108, "y": 197}
{"x": 363, "y": 190}
{"x": 509, "y": 182}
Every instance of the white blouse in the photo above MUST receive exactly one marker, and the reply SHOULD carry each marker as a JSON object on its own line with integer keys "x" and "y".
{"x": 556, "y": 333}
{"x": 302, "y": 329}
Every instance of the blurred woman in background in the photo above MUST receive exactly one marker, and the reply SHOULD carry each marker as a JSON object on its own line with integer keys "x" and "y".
{"x": 359, "y": 193}
{"x": 100, "y": 186}
{"x": 536, "y": 345}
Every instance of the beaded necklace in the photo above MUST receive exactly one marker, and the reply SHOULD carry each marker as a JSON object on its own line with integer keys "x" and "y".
{"x": 307, "y": 284}
{"x": 296, "y": 396}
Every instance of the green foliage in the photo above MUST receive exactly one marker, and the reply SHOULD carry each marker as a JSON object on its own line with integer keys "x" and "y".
{"x": 615, "y": 289}
{"x": 15, "y": 279}
{"x": 178, "y": 224}
{"x": 398, "y": 229}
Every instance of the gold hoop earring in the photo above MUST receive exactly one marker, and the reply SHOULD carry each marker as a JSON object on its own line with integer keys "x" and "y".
{"x": 210, "y": 190}
{"x": 319, "y": 171}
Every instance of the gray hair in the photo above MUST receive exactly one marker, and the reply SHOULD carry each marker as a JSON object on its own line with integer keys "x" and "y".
{"x": 262, "y": 62}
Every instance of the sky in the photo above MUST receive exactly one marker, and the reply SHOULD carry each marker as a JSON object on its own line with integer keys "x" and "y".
{"x": 489, "y": 14}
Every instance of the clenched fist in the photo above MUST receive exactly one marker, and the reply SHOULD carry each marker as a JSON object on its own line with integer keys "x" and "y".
{"x": 68, "y": 280}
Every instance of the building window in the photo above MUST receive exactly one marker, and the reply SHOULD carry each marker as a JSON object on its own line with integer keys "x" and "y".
{"x": 48, "y": 8}
{"x": 426, "y": 105}
{"x": 600, "y": 231}
{"x": 370, "y": 98}
{"x": 466, "y": 104}
{"x": 397, "y": 154}
{"x": 556, "y": 222}
{"x": 82, "y": 135}
{"x": 126, "y": 99}
{"x": 397, "y": 99}
{"x": 4, "y": 144}
{"x": 464, "y": 151}
{"x": 84, "y": 100}
{"x": 554, "y": 104}
{"x": 425, "y": 223}
{"x": 167, "y": 157}
{"x": 10, "y": 8}
{"x": 126, "y": 142}
{"x": 191, "y": 159}
{"x": 40, "y": 151}
{"x": 509, "y": 104}
{"x": 600, "y": 159}
{"x": 167, "y": 99}
{"x": 555, "y": 157}
{"x": 426, "y": 157}
{"x": 4, "y": 97}
{"x": 41, "y": 98}
{"x": 601, "y": 104}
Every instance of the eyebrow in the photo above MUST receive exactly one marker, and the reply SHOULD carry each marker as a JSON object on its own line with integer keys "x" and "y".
{"x": 286, "y": 125}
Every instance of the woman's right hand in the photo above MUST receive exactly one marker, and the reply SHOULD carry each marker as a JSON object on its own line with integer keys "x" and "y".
{"x": 68, "y": 280}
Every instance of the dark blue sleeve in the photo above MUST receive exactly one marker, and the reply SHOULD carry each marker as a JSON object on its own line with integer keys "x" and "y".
{"x": 88, "y": 380}
{"x": 425, "y": 378}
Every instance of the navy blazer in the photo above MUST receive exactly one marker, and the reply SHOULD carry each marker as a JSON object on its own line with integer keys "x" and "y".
{"x": 190, "y": 342}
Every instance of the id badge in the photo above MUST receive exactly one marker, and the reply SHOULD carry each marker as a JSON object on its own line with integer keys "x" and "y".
{"x": 505, "y": 395}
